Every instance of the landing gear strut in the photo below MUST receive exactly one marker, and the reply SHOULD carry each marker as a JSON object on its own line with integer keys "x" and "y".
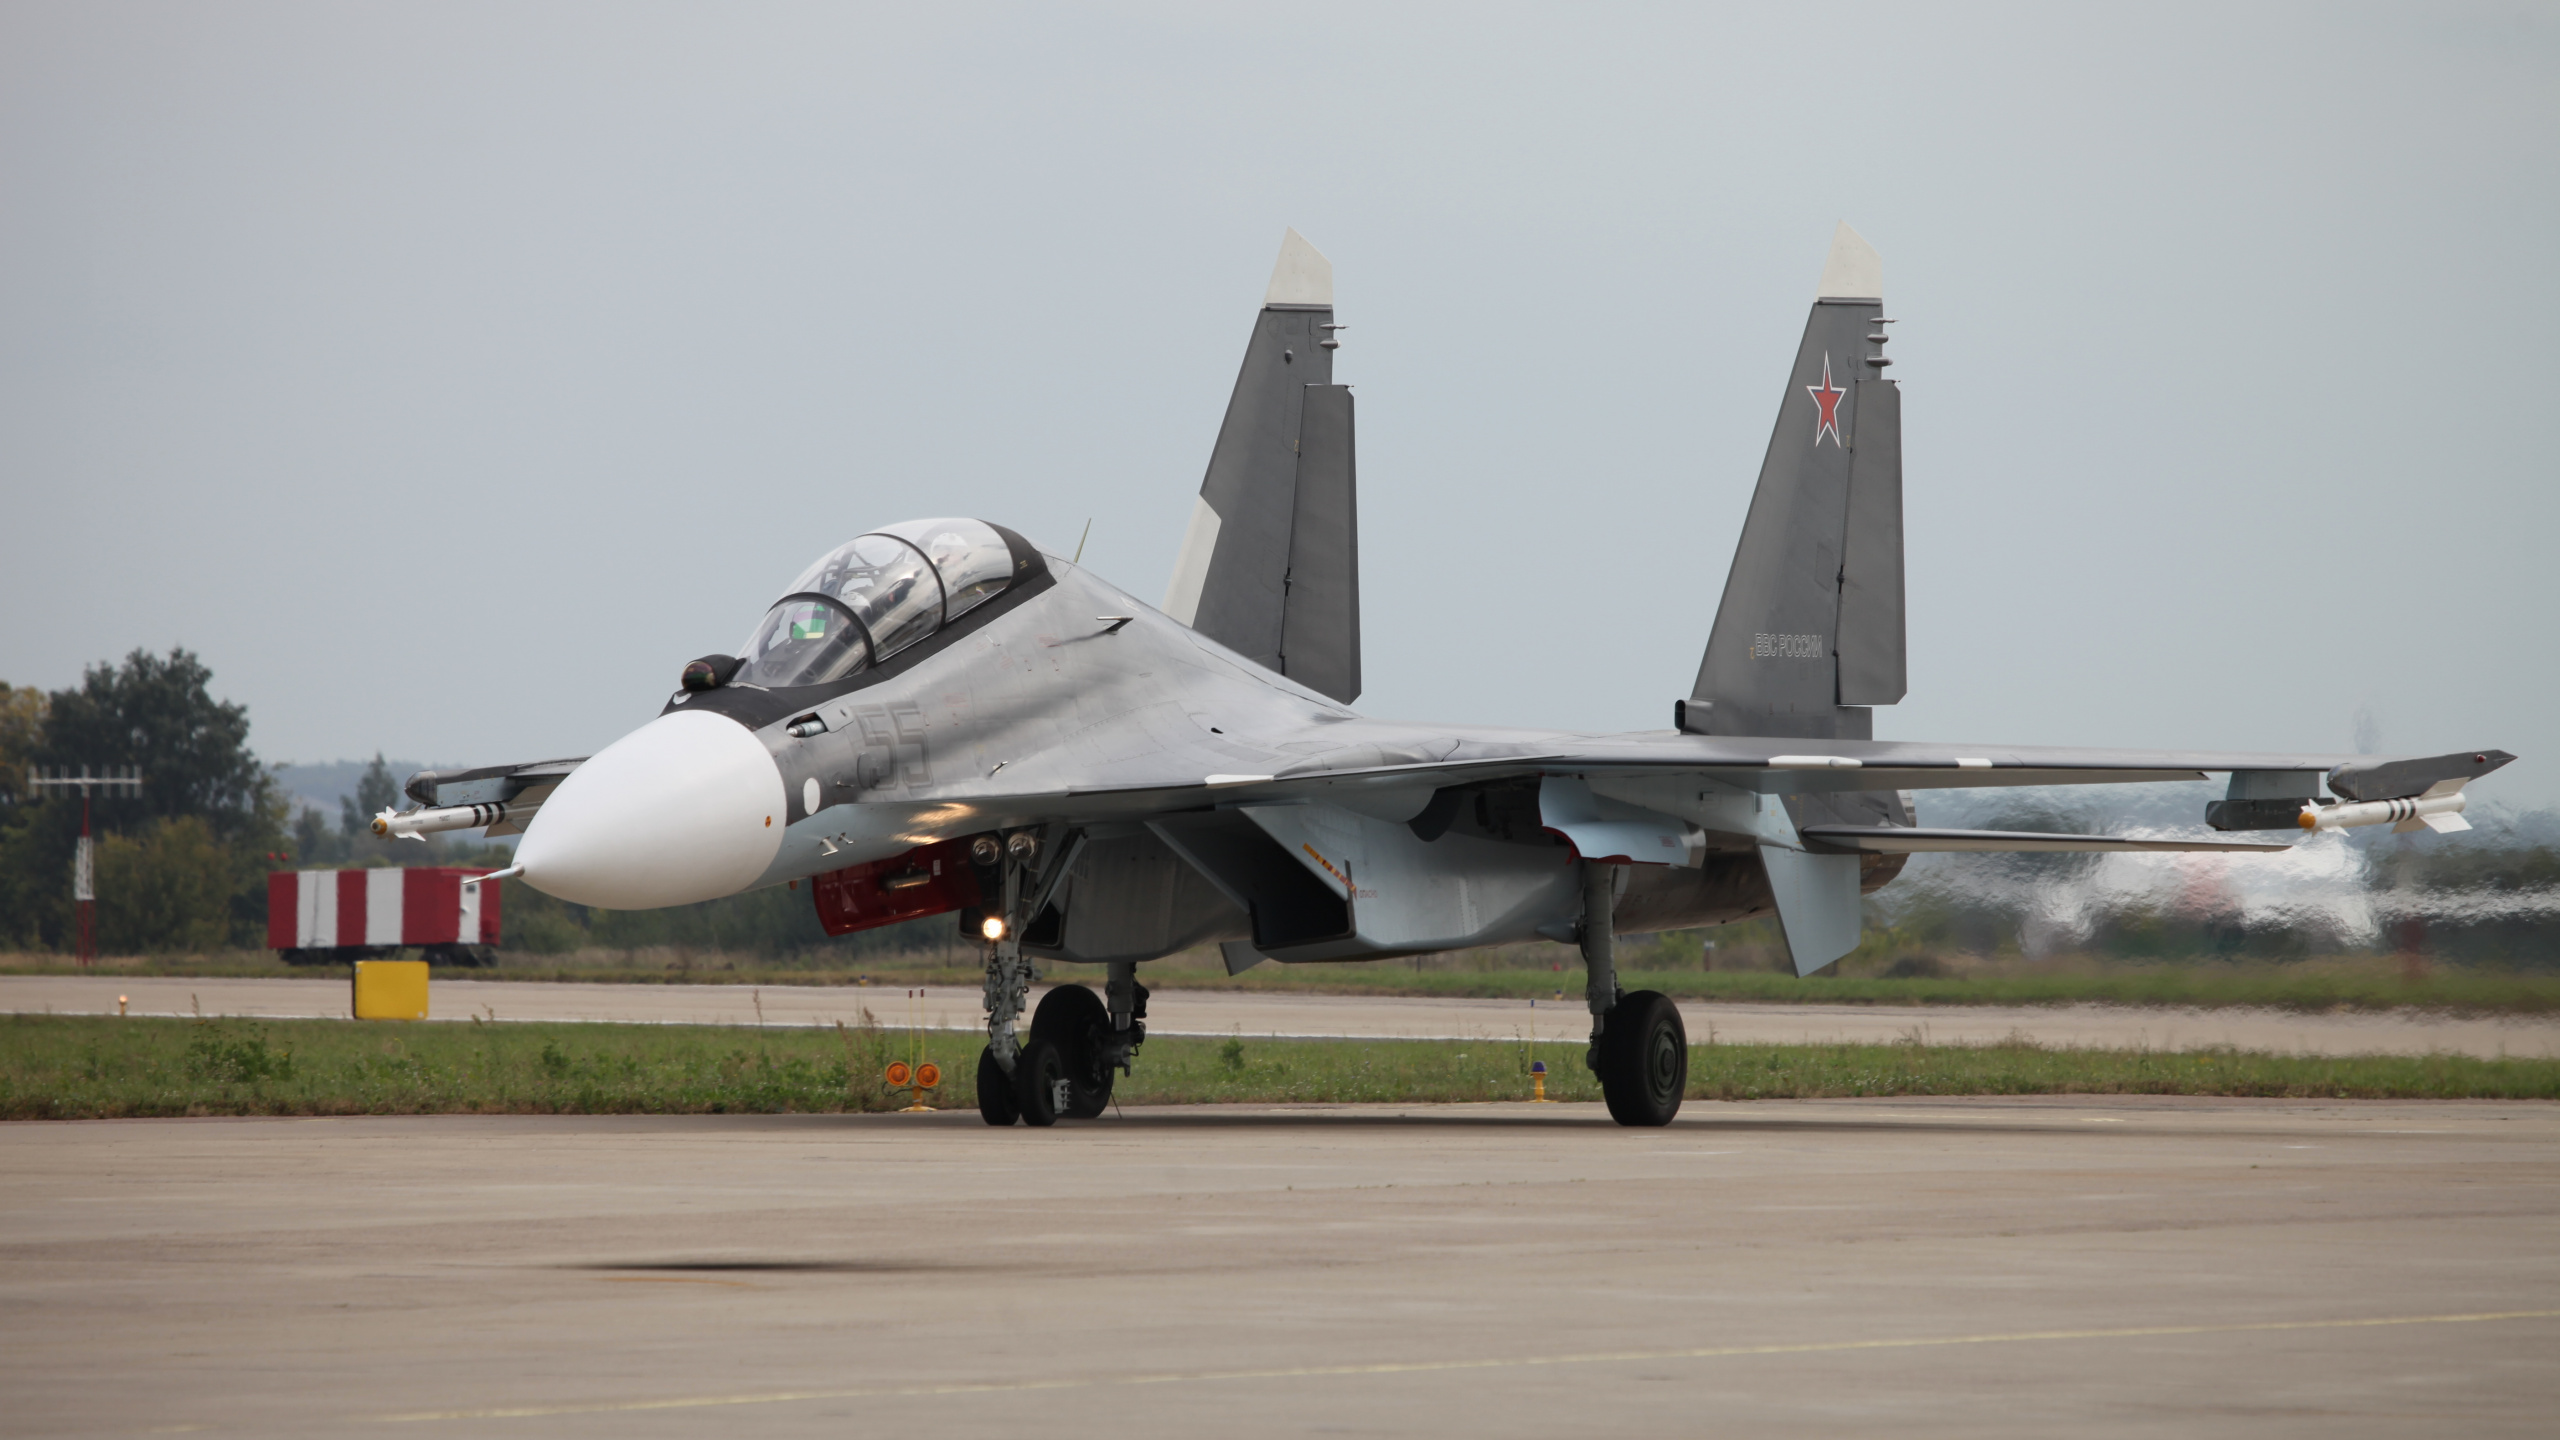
{"x": 1065, "y": 1066}
{"x": 1639, "y": 1048}
{"x": 1009, "y": 976}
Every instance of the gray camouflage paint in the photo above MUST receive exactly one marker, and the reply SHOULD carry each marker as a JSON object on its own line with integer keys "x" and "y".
{"x": 1225, "y": 792}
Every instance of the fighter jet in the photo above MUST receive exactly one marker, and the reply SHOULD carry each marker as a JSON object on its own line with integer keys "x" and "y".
{"x": 938, "y": 717}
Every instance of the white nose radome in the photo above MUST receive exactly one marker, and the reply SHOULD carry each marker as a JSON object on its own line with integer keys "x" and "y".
{"x": 687, "y": 807}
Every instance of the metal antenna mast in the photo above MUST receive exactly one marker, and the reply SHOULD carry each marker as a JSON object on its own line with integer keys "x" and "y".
{"x": 120, "y": 779}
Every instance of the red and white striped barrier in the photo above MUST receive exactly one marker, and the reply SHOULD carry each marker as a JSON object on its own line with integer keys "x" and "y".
{"x": 324, "y": 909}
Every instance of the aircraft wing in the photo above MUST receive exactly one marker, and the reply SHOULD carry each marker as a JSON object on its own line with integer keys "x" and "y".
{"x": 1784, "y": 766}
{"x": 500, "y": 797}
{"x": 1830, "y": 789}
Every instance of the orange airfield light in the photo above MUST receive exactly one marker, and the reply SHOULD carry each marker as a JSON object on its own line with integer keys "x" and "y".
{"x": 902, "y": 1076}
{"x": 915, "y": 1080}
{"x": 918, "y": 1075}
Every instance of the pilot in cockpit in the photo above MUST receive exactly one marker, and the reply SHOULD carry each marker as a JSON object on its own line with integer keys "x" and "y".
{"x": 873, "y": 597}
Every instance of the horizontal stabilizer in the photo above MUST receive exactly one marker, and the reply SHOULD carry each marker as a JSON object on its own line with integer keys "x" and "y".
{"x": 1906, "y": 840}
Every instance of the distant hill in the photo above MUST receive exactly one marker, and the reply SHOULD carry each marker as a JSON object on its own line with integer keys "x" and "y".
{"x": 319, "y": 787}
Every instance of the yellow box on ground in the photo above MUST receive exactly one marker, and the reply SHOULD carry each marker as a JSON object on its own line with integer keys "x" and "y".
{"x": 391, "y": 989}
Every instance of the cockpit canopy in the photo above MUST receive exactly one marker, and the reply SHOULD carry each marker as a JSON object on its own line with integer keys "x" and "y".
{"x": 874, "y": 596}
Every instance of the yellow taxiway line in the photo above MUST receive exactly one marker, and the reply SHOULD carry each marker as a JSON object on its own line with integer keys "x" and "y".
{"x": 1416, "y": 1367}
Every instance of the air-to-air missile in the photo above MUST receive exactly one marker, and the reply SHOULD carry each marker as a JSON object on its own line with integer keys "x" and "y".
{"x": 2439, "y": 809}
{"x": 419, "y": 824}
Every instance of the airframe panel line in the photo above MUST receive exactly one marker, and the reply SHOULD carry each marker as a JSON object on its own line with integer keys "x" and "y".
{"x": 1415, "y": 1367}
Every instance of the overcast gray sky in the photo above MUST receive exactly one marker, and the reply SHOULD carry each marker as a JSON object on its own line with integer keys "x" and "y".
{"x": 449, "y": 375}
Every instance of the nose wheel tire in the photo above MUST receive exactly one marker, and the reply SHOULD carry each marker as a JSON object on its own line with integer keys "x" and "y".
{"x": 1040, "y": 1082}
{"x": 995, "y": 1091}
{"x": 1076, "y": 1020}
{"x": 1643, "y": 1059}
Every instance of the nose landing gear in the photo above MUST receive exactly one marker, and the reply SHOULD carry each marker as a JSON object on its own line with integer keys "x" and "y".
{"x": 1078, "y": 1042}
{"x": 1041, "y": 1090}
{"x": 996, "y": 1104}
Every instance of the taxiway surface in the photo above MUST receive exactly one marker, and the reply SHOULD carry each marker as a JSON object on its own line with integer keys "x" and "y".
{"x": 2132, "y": 1267}
{"x": 1264, "y": 1012}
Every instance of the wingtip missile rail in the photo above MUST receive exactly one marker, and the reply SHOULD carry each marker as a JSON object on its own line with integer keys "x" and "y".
{"x": 2418, "y": 793}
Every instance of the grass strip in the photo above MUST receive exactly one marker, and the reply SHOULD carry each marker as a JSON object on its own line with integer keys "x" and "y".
{"x": 2308, "y": 987}
{"x": 94, "y": 1067}
{"x": 2363, "y": 983}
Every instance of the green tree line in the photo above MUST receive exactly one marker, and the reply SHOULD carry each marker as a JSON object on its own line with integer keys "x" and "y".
{"x": 182, "y": 866}
{"x": 185, "y": 859}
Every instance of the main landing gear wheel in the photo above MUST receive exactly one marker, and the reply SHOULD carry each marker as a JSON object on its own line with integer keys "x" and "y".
{"x": 1040, "y": 1082}
{"x": 1643, "y": 1059}
{"x": 995, "y": 1091}
{"x": 1077, "y": 1020}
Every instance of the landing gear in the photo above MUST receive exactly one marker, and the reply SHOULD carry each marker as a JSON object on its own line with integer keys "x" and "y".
{"x": 995, "y": 1091}
{"x": 1065, "y": 1066}
{"x": 1009, "y": 976}
{"x": 1041, "y": 1089}
{"x": 1643, "y": 1059}
{"x": 1075, "y": 1020}
{"x": 1639, "y": 1048}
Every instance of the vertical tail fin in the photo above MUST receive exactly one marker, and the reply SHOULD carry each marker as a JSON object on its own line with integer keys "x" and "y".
{"x": 1810, "y": 631}
{"x": 1270, "y": 566}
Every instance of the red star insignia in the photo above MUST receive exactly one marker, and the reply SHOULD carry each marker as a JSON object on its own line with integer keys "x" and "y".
{"x": 1827, "y": 396}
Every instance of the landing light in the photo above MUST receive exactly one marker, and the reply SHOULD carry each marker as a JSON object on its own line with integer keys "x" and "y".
{"x": 993, "y": 929}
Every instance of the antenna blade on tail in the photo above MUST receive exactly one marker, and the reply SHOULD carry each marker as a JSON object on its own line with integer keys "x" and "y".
{"x": 1270, "y": 563}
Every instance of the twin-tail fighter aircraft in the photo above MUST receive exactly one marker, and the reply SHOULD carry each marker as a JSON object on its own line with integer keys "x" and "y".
{"x": 936, "y": 716}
